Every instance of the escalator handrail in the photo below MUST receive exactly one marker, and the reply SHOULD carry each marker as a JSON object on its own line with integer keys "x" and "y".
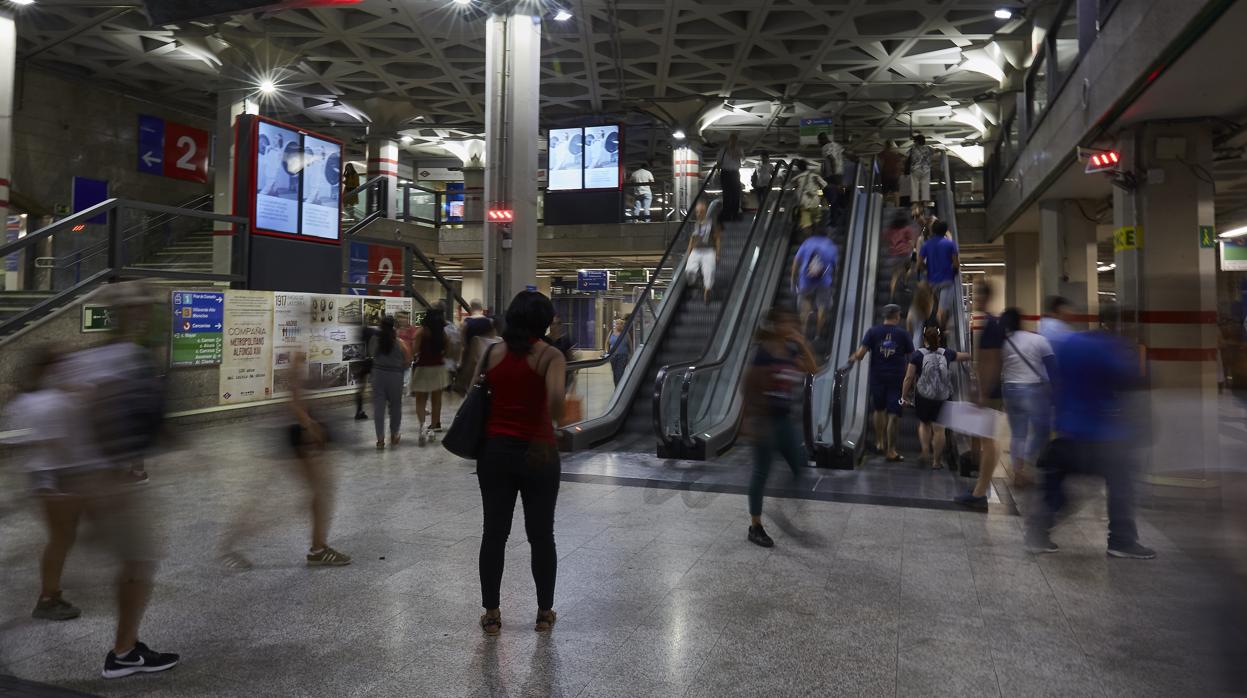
{"x": 660, "y": 380}
{"x": 701, "y": 364}
{"x": 839, "y": 374}
{"x": 648, "y": 291}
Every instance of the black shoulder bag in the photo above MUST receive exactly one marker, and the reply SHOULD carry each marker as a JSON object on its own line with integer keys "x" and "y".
{"x": 466, "y": 434}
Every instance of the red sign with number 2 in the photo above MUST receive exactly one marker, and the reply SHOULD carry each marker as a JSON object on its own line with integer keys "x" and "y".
{"x": 186, "y": 152}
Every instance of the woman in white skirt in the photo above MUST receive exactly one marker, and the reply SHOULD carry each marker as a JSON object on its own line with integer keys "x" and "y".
{"x": 429, "y": 376}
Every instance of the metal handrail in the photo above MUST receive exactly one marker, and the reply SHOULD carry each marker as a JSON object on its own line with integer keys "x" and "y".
{"x": 837, "y": 389}
{"x": 701, "y": 364}
{"x": 365, "y": 186}
{"x": 406, "y": 286}
{"x": 647, "y": 292}
{"x": 102, "y": 246}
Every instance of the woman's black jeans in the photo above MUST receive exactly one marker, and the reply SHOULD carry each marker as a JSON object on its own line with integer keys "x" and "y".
{"x": 505, "y": 468}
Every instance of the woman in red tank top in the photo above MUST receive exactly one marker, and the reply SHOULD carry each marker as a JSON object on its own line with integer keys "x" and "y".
{"x": 520, "y": 457}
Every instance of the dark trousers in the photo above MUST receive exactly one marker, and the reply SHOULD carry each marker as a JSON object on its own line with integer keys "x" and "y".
{"x": 1111, "y": 460}
{"x": 731, "y": 195}
{"x": 775, "y": 433}
{"x": 508, "y": 467}
{"x": 618, "y": 364}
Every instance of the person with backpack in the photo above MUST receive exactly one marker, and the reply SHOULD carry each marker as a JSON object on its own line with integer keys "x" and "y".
{"x": 1027, "y": 364}
{"x": 831, "y": 170}
{"x": 918, "y": 167}
{"x": 761, "y": 178}
{"x": 889, "y": 347}
{"x": 814, "y": 278}
{"x": 930, "y": 376}
{"x": 703, "y": 247}
{"x": 118, "y": 410}
{"x": 809, "y": 188}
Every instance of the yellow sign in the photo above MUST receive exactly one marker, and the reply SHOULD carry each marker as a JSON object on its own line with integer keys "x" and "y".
{"x": 1128, "y": 237}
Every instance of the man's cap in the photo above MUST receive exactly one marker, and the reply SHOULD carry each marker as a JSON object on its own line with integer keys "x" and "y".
{"x": 891, "y": 308}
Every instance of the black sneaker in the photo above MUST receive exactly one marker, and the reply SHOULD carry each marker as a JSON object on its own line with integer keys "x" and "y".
{"x": 361, "y": 415}
{"x": 140, "y": 660}
{"x": 1039, "y": 543}
{"x": 758, "y": 535}
{"x": 1132, "y": 551}
{"x": 55, "y": 608}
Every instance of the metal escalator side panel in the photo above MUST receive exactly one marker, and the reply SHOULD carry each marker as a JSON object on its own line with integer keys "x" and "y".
{"x": 858, "y": 380}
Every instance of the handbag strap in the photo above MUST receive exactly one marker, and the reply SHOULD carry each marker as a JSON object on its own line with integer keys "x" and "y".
{"x": 1042, "y": 377}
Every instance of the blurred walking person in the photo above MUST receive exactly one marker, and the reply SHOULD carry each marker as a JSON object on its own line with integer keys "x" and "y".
{"x": 1055, "y": 325}
{"x": 1096, "y": 371}
{"x": 941, "y": 259}
{"x": 703, "y": 247}
{"x": 928, "y": 385}
{"x": 898, "y": 245}
{"x": 772, "y": 390}
{"x": 117, "y": 415}
{"x": 476, "y": 324}
{"x": 814, "y": 280}
{"x": 619, "y": 345}
{"x": 429, "y": 377}
{"x": 38, "y": 423}
{"x": 831, "y": 171}
{"x": 1027, "y": 365}
{"x": 988, "y": 362}
{"x": 762, "y": 177}
{"x": 520, "y": 456}
{"x": 809, "y": 188}
{"x": 889, "y": 347}
{"x": 306, "y": 439}
{"x": 390, "y": 357}
{"x": 918, "y": 167}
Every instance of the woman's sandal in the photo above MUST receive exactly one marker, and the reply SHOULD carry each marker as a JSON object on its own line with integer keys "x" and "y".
{"x": 491, "y": 623}
{"x": 545, "y": 621}
{"x": 394, "y": 439}
{"x": 380, "y": 445}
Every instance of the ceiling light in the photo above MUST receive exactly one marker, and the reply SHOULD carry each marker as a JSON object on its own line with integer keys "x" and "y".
{"x": 1235, "y": 233}
{"x": 1004, "y": 13}
{"x": 1106, "y": 268}
{"x": 406, "y": 139}
{"x": 267, "y": 86}
{"x": 562, "y": 16}
{"x": 463, "y": 2}
{"x": 22, "y": 2}
{"x": 678, "y": 134}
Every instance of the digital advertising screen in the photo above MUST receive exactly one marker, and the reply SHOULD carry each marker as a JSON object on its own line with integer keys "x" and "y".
{"x": 322, "y": 168}
{"x": 566, "y": 159}
{"x": 601, "y": 157}
{"x": 278, "y": 154}
{"x": 296, "y": 182}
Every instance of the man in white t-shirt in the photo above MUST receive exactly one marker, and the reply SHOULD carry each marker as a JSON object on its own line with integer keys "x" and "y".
{"x": 1027, "y": 364}
{"x": 641, "y": 194}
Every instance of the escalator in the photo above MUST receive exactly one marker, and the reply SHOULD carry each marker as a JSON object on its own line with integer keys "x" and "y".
{"x": 667, "y": 325}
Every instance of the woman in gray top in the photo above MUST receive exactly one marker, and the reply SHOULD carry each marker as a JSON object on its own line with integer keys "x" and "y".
{"x": 390, "y": 357}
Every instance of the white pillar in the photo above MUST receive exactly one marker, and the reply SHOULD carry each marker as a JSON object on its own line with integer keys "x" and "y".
{"x": 383, "y": 162}
{"x": 512, "y": 88}
{"x": 1068, "y": 254}
{"x": 8, "y": 53}
{"x": 229, "y": 106}
{"x": 685, "y": 177}
{"x": 1022, "y": 275}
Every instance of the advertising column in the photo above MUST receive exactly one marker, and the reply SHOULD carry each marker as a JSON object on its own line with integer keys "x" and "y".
{"x": 247, "y": 358}
{"x": 686, "y": 177}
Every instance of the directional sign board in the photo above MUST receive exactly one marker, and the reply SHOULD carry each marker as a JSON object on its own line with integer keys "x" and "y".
{"x": 198, "y": 326}
{"x": 590, "y": 280}
{"x": 172, "y": 149}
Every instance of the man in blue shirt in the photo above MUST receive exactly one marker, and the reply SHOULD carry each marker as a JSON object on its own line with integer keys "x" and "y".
{"x": 1094, "y": 371}
{"x": 814, "y": 276}
{"x": 889, "y": 346}
{"x": 939, "y": 256}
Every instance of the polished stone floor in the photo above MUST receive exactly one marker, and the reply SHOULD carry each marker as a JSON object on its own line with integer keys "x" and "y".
{"x": 659, "y": 593}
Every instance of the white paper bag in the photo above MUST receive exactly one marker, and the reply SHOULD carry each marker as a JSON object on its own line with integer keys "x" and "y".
{"x": 969, "y": 418}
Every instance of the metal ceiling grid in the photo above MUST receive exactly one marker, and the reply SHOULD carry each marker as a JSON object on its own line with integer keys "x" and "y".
{"x": 870, "y": 63}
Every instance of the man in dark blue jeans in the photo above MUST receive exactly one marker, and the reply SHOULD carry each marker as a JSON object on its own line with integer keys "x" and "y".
{"x": 1094, "y": 371}
{"x": 889, "y": 347}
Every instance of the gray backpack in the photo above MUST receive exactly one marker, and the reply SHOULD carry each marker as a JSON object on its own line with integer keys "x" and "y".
{"x": 936, "y": 382}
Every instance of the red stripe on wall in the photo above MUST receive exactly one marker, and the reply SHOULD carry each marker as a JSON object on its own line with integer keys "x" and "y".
{"x": 1084, "y": 318}
{"x": 386, "y": 160}
{"x": 1179, "y": 317}
{"x": 4, "y": 182}
{"x": 1168, "y": 354}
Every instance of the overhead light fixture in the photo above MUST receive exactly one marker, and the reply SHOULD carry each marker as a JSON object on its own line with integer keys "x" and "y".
{"x": 1004, "y": 13}
{"x": 562, "y": 16}
{"x": 22, "y": 2}
{"x": 1234, "y": 233}
{"x": 1106, "y": 268}
{"x": 267, "y": 86}
{"x": 678, "y": 134}
{"x": 463, "y": 3}
{"x": 406, "y": 139}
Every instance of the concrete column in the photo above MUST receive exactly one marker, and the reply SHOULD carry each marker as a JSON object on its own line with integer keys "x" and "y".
{"x": 512, "y": 87}
{"x": 383, "y": 162}
{"x": 1022, "y": 275}
{"x": 1167, "y": 290}
{"x": 685, "y": 177}
{"x": 1067, "y": 254}
{"x": 8, "y": 54}
{"x": 473, "y": 193}
{"x": 229, "y": 106}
